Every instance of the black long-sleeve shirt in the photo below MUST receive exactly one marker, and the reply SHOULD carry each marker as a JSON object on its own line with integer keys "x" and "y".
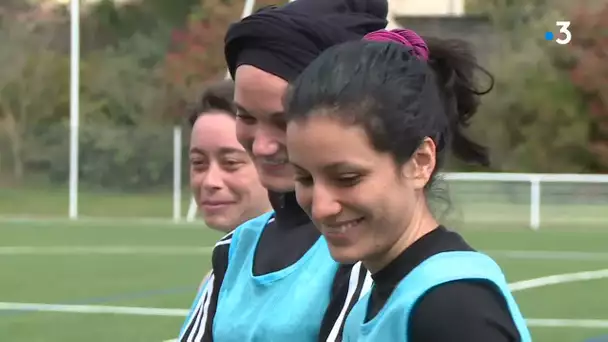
{"x": 460, "y": 311}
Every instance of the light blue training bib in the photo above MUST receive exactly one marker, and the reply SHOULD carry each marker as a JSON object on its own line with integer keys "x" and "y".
{"x": 391, "y": 323}
{"x": 283, "y": 306}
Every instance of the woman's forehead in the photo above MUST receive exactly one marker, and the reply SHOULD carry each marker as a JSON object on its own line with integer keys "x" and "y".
{"x": 258, "y": 91}
{"x": 215, "y": 131}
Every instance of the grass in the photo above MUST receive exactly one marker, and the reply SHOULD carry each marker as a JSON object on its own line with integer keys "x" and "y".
{"x": 475, "y": 203}
{"x": 170, "y": 280}
{"x": 495, "y": 218}
{"x": 166, "y": 281}
{"x": 53, "y": 202}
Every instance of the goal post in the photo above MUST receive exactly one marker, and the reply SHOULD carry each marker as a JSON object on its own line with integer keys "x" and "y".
{"x": 581, "y": 198}
{"x": 577, "y": 197}
{"x": 74, "y": 106}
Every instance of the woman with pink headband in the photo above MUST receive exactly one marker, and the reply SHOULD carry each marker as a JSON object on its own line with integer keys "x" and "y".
{"x": 369, "y": 125}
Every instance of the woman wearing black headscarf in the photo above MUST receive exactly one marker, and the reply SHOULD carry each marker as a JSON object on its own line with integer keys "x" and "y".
{"x": 273, "y": 278}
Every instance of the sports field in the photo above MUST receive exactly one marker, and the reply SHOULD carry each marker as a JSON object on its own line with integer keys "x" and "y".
{"x": 133, "y": 280}
{"x": 121, "y": 281}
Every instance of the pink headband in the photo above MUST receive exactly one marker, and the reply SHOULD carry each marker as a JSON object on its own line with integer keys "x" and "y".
{"x": 402, "y": 36}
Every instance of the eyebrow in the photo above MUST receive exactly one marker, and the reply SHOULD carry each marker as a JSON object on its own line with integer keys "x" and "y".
{"x": 331, "y": 168}
{"x": 231, "y": 150}
{"x": 337, "y": 166}
{"x": 222, "y": 150}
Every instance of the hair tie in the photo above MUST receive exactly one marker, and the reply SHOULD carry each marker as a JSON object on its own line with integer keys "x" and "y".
{"x": 404, "y": 37}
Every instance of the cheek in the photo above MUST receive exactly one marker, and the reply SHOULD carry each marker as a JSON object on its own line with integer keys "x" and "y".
{"x": 304, "y": 197}
{"x": 242, "y": 182}
{"x": 196, "y": 181}
{"x": 365, "y": 199}
{"x": 406, "y": 197}
{"x": 395, "y": 212}
{"x": 386, "y": 204}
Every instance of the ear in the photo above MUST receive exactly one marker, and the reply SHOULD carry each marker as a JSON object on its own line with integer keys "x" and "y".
{"x": 421, "y": 165}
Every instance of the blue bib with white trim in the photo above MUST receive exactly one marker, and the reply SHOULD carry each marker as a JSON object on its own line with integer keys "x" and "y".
{"x": 391, "y": 323}
{"x": 283, "y": 306}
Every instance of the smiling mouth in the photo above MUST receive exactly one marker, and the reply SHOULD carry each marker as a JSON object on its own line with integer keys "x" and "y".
{"x": 342, "y": 227}
{"x": 218, "y": 205}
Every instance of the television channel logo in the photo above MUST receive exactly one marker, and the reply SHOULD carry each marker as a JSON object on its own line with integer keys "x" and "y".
{"x": 565, "y": 35}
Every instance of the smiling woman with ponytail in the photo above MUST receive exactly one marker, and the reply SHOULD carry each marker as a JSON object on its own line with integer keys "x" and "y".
{"x": 369, "y": 125}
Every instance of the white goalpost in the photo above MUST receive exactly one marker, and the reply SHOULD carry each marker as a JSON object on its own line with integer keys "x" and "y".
{"x": 75, "y": 117}
{"x": 74, "y": 104}
{"x": 177, "y": 173}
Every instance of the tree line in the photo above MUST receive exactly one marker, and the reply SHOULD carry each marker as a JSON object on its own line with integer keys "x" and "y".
{"x": 142, "y": 63}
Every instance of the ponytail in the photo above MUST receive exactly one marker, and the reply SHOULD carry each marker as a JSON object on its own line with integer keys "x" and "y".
{"x": 401, "y": 88}
{"x": 454, "y": 65}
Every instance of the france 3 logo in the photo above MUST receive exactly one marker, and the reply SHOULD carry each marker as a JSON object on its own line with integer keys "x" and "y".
{"x": 564, "y": 37}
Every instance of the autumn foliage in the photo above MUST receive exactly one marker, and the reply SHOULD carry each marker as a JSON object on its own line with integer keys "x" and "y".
{"x": 590, "y": 74}
{"x": 196, "y": 56}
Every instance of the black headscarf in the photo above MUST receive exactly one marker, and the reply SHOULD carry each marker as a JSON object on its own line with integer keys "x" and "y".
{"x": 284, "y": 40}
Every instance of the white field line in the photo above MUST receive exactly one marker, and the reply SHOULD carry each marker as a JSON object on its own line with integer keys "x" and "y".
{"x": 136, "y": 221}
{"x": 98, "y": 309}
{"x": 549, "y": 255}
{"x": 517, "y": 286}
{"x": 178, "y": 250}
{"x": 103, "y": 250}
{"x": 139, "y": 311}
{"x": 568, "y": 323}
{"x": 548, "y": 322}
{"x": 558, "y": 279}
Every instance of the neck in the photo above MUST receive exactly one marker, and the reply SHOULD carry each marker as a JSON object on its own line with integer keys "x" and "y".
{"x": 421, "y": 224}
{"x": 287, "y": 211}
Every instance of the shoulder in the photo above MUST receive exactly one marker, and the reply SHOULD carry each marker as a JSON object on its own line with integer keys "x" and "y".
{"x": 221, "y": 252}
{"x": 256, "y": 224}
{"x": 478, "y": 306}
{"x": 205, "y": 280}
{"x": 243, "y": 237}
{"x": 351, "y": 284}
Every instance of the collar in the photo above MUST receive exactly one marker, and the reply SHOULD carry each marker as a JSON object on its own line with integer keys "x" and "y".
{"x": 423, "y": 248}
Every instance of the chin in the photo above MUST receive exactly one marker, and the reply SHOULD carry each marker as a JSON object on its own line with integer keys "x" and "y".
{"x": 219, "y": 223}
{"x": 344, "y": 255}
{"x": 277, "y": 183}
